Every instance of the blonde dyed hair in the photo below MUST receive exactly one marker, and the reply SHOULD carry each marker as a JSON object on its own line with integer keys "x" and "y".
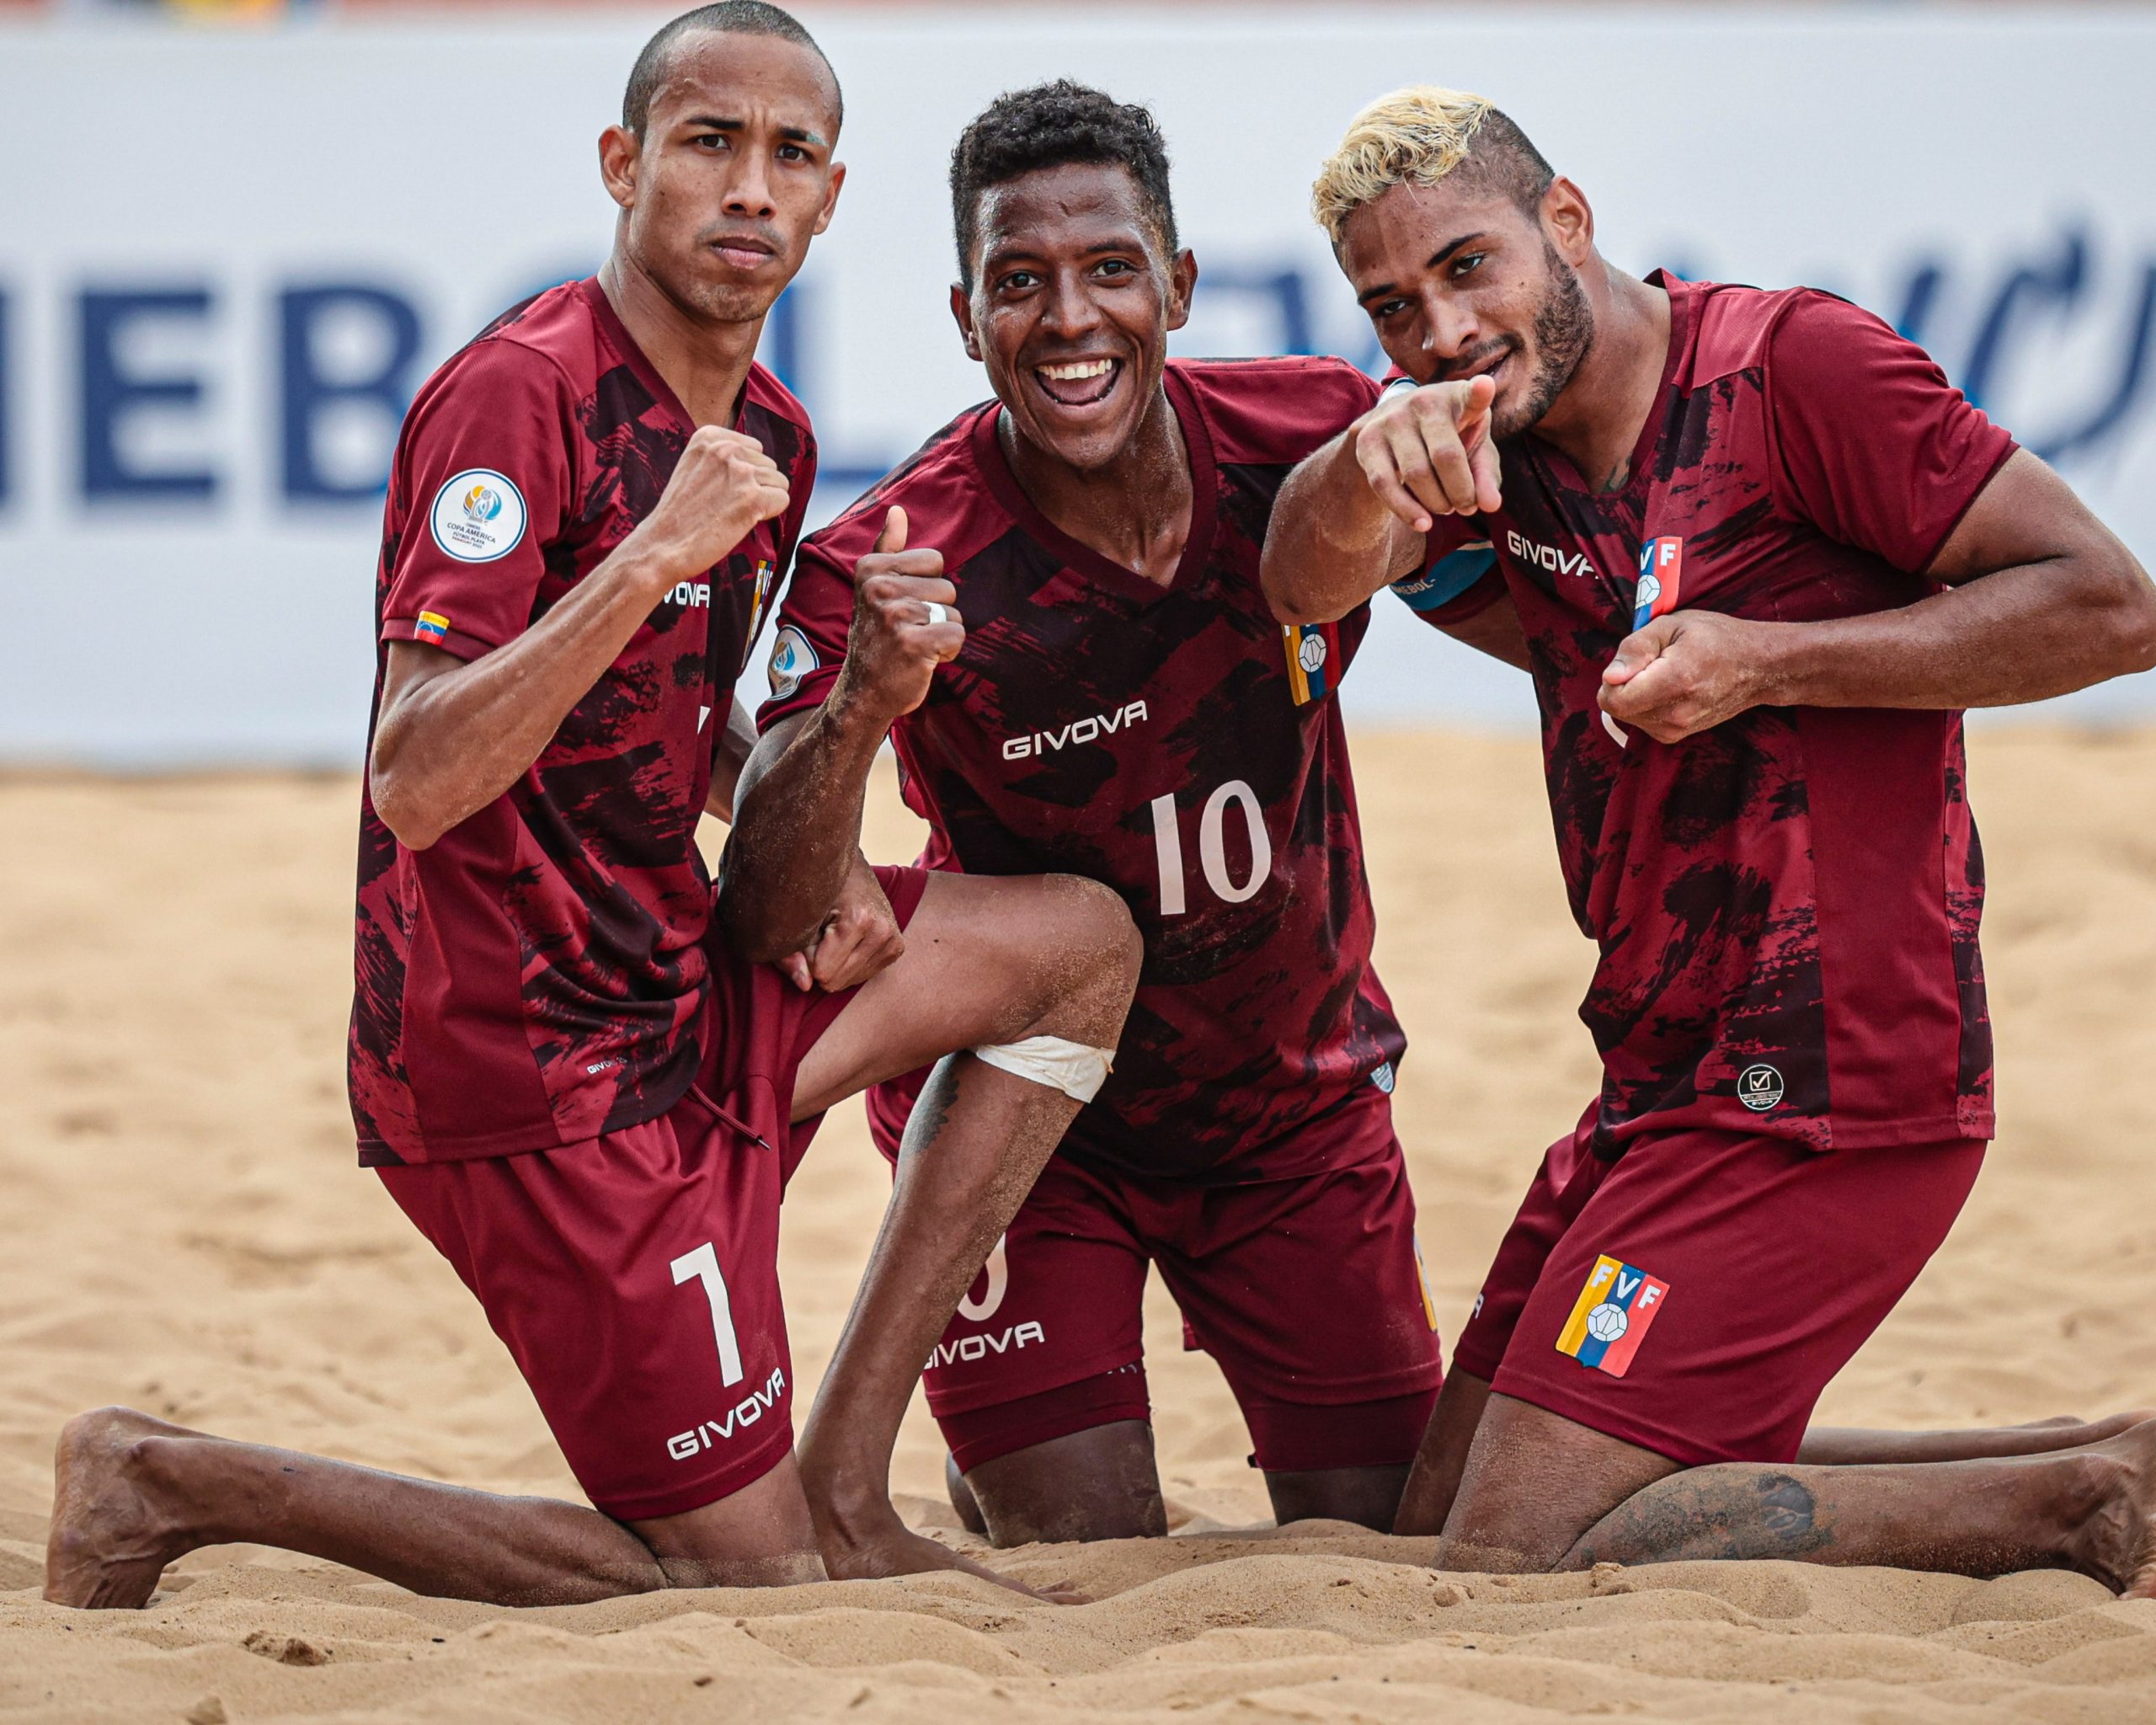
{"x": 1422, "y": 134}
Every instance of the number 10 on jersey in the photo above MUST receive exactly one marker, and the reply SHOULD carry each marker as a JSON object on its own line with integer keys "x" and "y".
{"x": 1212, "y": 848}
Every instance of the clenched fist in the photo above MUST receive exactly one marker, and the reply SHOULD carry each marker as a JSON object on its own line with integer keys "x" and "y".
{"x": 905, "y": 624}
{"x": 722, "y": 487}
{"x": 1427, "y": 452}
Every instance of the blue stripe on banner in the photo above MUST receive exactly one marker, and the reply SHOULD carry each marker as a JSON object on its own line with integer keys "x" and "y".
{"x": 1449, "y": 577}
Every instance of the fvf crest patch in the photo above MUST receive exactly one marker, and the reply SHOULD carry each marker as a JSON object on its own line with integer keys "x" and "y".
{"x": 1612, "y": 1316}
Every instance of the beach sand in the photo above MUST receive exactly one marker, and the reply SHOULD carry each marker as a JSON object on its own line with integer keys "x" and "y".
{"x": 182, "y": 1228}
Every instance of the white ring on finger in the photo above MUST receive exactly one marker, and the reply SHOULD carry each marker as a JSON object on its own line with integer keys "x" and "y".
{"x": 937, "y": 614}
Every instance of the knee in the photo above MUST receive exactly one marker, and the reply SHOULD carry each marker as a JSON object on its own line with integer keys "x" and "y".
{"x": 1095, "y": 948}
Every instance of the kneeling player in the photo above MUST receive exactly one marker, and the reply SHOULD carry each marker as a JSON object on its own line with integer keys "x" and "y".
{"x": 1758, "y": 553}
{"x": 586, "y": 1106}
{"x": 1120, "y": 704}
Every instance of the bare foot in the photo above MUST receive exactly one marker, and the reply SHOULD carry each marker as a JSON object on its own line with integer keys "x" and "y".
{"x": 108, "y": 1543}
{"x": 2117, "y": 1541}
{"x": 868, "y": 1547}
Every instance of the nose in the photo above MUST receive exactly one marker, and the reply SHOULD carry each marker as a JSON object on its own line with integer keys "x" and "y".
{"x": 749, "y": 192}
{"x": 1069, "y": 311}
{"x": 1449, "y": 328}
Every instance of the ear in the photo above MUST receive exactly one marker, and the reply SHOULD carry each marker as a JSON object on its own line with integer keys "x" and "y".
{"x": 830, "y": 197}
{"x": 619, "y": 153}
{"x": 1183, "y": 283}
{"x": 1568, "y": 220}
{"x": 961, "y": 309}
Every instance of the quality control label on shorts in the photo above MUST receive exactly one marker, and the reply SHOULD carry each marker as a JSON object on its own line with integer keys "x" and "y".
{"x": 478, "y": 516}
{"x": 1611, "y": 1317}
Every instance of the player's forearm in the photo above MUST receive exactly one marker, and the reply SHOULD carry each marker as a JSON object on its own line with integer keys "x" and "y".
{"x": 1331, "y": 543}
{"x": 2021, "y": 634}
{"x": 449, "y": 744}
{"x": 797, "y": 829}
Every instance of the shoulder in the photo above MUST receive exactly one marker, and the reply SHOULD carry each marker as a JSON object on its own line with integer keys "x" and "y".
{"x": 1275, "y": 410}
{"x": 528, "y": 356}
{"x": 1750, "y": 328}
{"x": 948, "y": 505}
{"x": 765, "y": 395}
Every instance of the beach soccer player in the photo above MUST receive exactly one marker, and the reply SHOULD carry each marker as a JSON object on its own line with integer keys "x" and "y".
{"x": 1123, "y": 707}
{"x": 587, "y": 1105}
{"x": 1758, "y": 555}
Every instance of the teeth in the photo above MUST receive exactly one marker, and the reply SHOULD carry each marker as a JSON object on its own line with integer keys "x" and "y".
{"x": 1078, "y": 372}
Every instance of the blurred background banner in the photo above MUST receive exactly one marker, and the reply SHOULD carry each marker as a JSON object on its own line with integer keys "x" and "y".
{"x": 234, "y": 238}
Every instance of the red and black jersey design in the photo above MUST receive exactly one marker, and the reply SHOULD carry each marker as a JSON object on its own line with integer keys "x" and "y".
{"x": 1787, "y": 906}
{"x": 534, "y": 978}
{"x": 1170, "y": 740}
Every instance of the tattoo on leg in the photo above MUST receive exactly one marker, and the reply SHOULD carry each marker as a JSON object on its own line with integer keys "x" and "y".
{"x": 1714, "y": 1511}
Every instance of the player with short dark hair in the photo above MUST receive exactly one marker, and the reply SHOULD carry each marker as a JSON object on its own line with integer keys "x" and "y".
{"x": 588, "y": 1105}
{"x": 1119, "y": 703}
{"x": 1758, "y": 554}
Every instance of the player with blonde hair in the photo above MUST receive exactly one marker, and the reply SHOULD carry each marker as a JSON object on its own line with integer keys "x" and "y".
{"x": 1758, "y": 554}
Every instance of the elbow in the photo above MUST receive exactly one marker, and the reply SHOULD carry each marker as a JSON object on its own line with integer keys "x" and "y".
{"x": 398, "y": 809}
{"x": 744, "y": 925}
{"x": 1293, "y": 601}
{"x": 2137, "y": 629}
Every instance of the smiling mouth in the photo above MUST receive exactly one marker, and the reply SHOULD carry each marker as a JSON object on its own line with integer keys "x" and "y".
{"x": 1487, "y": 366}
{"x": 1078, "y": 383}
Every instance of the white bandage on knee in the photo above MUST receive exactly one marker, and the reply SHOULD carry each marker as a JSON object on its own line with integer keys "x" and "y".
{"x": 1071, "y": 1067}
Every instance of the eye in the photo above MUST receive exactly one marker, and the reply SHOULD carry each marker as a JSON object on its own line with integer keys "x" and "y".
{"x": 1017, "y": 281}
{"x": 1388, "y": 308}
{"x": 1114, "y": 266}
{"x": 711, "y": 140}
{"x": 1470, "y": 261}
{"x": 792, "y": 153}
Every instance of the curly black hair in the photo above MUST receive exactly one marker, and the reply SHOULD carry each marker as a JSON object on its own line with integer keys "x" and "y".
{"x": 1048, "y": 125}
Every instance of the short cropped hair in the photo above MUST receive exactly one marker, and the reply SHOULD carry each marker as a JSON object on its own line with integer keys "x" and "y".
{"x": 1049, "y": 125}
{"x": 1425, "y": 134}
{"x": 728, "y": 18}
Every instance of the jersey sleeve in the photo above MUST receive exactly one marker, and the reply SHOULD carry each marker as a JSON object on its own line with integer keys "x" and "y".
{"x": 810, "y": 645}
{"x": 1459, "y": 577}
{"x": 1870, "y": 443}
{"x": 485, "y": 464}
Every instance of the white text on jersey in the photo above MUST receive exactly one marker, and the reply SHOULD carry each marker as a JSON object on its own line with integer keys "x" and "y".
{"x": 747, "y": 1413}
{"x": 1080, "y": 730}
{"x": 1548, "y": 556}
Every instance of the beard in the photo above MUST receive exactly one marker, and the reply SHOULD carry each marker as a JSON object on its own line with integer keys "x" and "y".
{"x": 1564, "y": 331}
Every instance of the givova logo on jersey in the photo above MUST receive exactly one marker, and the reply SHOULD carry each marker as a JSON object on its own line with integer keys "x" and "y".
{"x": 1612, "y": 1316}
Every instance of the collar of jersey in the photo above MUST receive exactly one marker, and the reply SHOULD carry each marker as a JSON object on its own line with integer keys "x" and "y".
{"x": 619, "y": 339}
{"x": 1081, "y": 560}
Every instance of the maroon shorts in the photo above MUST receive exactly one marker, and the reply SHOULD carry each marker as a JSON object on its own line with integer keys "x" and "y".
{"x": 1308, "y": 1291}
{"x": 1696, "y": 1295}
{"x": 634, "y": 1277}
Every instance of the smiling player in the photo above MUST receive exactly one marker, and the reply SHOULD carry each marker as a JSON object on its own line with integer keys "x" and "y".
{"x": 1119, "y": 703}
{"x": 587, "y": 1106}
{"x": 1758, "y": 553}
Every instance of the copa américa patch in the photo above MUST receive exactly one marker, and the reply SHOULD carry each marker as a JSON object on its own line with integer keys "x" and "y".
{"x": 478, "y": 516}
{"x": 792, "y": 659}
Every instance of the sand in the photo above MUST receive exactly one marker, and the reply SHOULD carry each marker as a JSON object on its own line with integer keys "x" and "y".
{"x": 182, "y": 1227}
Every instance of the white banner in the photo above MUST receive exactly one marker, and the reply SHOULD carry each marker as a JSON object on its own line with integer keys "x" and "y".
{"x": 226, "y": 260}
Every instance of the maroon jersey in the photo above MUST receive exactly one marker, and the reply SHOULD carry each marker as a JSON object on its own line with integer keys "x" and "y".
{"x": 534, "y": 978}
{"x": 1787, "y": 906}
{"x": 1170, "y": 740}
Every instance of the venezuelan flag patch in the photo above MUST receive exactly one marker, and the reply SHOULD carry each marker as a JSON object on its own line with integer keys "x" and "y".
{"x": 432, "y": 626}
{"x": 1311, "y": 649}
{"x": 1612, "y": 1316}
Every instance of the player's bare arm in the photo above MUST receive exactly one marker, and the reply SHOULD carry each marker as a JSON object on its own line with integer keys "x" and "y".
{"x": 1352, "y": 518}
{"x": 2039, "y": 599}
{"x": 796, "y": 837}
{"x": 451, "y": 736}
{"x": 861, "y": 936}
